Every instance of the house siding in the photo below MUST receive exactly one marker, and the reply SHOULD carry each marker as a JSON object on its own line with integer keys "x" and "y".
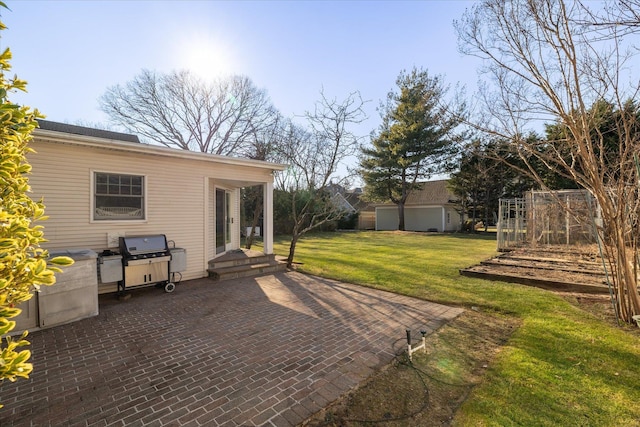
{"x": 418, "y": 218}
{"x": 453, "y": 224}
{"x": 178, "y": 201}
{"x": 423, "y": 218}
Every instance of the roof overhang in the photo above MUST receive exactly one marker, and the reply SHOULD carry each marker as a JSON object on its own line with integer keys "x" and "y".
{"x": 147, "y": 149}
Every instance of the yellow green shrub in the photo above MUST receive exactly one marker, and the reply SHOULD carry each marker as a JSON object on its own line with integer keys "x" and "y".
{"x": 24, "y": 265}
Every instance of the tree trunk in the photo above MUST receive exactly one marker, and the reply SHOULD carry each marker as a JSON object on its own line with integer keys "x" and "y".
{"x": 292, "y": 250}
{"x": 254, "y": 223}
{"x": 401, "y": 216}
{"x": 621, "y": 264}
{"x": 487, "y": 210}
{"x": 474, "y": 214}
{"x": 620, "y": 253}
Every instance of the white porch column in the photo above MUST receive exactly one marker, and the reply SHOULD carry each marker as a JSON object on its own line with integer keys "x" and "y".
{"x": 235, "y": 219}
{"x": 267, "y": 218}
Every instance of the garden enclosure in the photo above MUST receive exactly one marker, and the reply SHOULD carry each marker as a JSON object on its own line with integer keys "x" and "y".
{"x": 563, "y": 217}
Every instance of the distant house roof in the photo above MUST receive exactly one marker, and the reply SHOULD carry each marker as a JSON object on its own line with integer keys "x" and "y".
{"x": 342, "y": 203}
{"x": 81, "y": 130}
{"x": 355, "y": 199}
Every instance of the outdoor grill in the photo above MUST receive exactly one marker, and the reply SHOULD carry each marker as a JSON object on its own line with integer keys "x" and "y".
{"x": 145, "y": 261}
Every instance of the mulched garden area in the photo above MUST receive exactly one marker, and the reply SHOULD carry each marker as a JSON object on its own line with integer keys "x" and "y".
{"x": 559, "y": 268}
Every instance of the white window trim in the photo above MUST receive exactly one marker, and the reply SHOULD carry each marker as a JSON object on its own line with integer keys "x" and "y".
{"x": 92, "y": 196}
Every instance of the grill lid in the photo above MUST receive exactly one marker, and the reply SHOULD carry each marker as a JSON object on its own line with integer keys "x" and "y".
{"x": 137, "y": 245}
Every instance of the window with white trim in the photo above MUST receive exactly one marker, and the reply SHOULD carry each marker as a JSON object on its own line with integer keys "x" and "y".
{"x": 118, "y": 196}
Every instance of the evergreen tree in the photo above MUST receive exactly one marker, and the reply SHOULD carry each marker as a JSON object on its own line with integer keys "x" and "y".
{"x": 488, "y": 171}
{"x": 413, "y": 142}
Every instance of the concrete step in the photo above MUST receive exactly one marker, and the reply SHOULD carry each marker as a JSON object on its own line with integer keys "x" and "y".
{"x": 247, "y": 270}
{"x": 225, "y": 262}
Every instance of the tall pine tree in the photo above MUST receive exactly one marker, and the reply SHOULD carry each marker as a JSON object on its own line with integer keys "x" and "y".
{"x": 413, "y": 142}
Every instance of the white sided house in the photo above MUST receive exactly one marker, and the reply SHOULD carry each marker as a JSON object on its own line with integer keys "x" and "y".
{"x": 99, "y": 186}
{"x": 430, "y": 208}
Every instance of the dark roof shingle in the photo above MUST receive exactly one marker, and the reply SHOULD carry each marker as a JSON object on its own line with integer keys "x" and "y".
{"x": 82, "y": 130}
{"x": 431, "y": 193}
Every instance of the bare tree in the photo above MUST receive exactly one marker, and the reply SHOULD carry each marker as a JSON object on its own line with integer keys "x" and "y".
{"x": 547, "y": 64}
{"x": 314, "y": 155}
{"x": 181, "y": 110}
{"x": 262, "y": 147}
{"x": 621, "y": 17}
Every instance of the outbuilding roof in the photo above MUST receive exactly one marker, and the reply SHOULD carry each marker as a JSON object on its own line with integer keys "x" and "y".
{"x": 431, "y": 193}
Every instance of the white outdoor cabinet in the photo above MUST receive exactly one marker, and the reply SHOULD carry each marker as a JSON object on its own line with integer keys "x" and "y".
{"x": 74, "y": 296}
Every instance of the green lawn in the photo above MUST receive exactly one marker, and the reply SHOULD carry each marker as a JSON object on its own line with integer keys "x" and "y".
{"x": 562, "y": 367}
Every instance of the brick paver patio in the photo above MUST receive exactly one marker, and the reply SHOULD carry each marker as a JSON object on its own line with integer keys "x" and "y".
{"x": 267, "y": 351}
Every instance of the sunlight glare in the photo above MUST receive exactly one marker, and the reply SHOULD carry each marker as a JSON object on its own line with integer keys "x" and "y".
{"x": 206, "y": 57}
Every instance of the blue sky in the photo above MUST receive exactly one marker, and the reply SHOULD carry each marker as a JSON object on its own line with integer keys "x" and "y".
{"x": 70, "y": 52}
